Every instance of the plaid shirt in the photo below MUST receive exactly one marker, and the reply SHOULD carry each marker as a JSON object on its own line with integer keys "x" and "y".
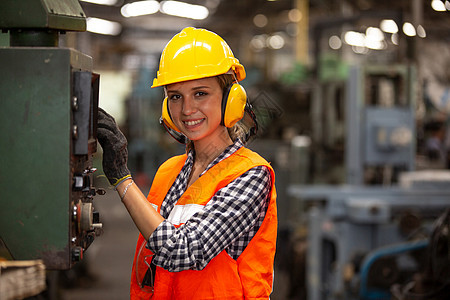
{"x": 228, "y": 221}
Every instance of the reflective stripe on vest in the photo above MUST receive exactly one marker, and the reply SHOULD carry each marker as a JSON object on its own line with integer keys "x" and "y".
{"x": 181, "y": 213}
{"x": 250, "y": 276}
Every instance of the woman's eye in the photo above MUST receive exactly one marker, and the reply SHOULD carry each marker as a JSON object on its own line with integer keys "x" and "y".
{"x": 199, "y": 94}
{"x": 174, "y": 97}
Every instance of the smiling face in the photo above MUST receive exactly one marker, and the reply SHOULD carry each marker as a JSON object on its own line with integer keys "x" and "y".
{"x": 195, "y": 108}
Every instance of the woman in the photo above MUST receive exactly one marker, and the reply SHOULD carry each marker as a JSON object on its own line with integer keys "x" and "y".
{"x": 208, "y": 226}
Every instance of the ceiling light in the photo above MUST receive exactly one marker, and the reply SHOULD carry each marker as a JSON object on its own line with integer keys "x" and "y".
{"x": 354, "y": 38}
{"x": 295, "y": 15}
{"x": 447, "y": 4}
{"x": 438, "y": 5}
{"x": 374, "y": 38}
{"x": 421, "y": 31}
{"x": 258, "y": 42}
{"x": 389, "y": 26}
{"x": 139, "y": 8}
{"x": 374, "y": 33}
{"x": 376, "y": 45}
{"x": 394, "y": 39}
{"x": 185, "y": 10}
{"x": 260, "y": 20}
{"x": 276, "y": 42}
{"x": 102, "y": 26}
{"x": 409, "y": 29}
{"x": 335, "y": 42}
{"x": 102, "y": 2}
{"x": 360, "y": 50}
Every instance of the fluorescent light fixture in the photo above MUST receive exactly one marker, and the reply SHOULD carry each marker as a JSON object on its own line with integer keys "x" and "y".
{"x": 184, "y": 10}
{"x": 376, "y": 45}
{"x": 139, "y": 8}
{"x": 295, "y": 15}
{"x": 276, "y": 41}
{"x": 409, "y": 29}
{"x": 374, "y": 38}
{"x": 102, "y": 2}
{"x": 389, "y": 26}
{"x": 260, "y": 20}
{"x": 258, "y": 42}
{"x": 335, "y": 42}
{"x": 301, "y": 141}
{"x": 374, "y": 33}
{"x": 421, "y": 31}
{"x": 360, "y": 50}
{"x": 438, "y": 5}
{"x": 102, "y": 26}
{"x": 394, "y": 39}
{"x": 354, "y": 38}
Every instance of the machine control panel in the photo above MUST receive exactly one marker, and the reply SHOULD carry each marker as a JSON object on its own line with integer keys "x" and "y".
{"x": 49, "y": 112}
{"x": 85, "y": 222}
{"x": 50, "y": 106}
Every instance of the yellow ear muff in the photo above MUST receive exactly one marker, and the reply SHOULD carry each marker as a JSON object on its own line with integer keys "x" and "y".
{"x": 233, "y": 104}
{"x": 165, "y": 116}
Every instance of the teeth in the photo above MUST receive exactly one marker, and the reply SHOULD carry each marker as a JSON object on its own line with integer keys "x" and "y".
{"x": 191, "y": 123}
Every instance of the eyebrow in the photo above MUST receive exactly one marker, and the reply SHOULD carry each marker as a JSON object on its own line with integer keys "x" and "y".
{"x": 194, "y": 89}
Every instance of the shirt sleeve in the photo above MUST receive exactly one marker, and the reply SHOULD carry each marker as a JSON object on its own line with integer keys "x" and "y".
{"x": 231, "y": 212}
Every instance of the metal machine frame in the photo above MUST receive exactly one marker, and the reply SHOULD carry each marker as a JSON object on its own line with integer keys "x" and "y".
{"x": 362, "y": 239}
{"x": 49, "y": 99}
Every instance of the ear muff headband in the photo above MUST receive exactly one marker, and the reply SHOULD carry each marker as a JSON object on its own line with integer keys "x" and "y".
{"x": 179, "y": 137}
{"x": 166, "y": 121}
{"x": 233, "y": 104}
{"x": 166, "y": 117}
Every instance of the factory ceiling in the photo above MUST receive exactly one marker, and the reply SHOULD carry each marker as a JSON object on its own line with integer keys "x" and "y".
{"x": 234, "y": 20}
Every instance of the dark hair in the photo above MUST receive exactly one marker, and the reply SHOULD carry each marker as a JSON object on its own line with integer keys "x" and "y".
{"x": 225, "y": 80}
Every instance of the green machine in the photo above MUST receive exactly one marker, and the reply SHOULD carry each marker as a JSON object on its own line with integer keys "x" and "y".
{"x": 48, "y": 117}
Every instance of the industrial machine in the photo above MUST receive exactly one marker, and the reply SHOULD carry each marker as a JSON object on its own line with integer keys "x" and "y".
{"x": 49, "y": 98}
{"x": 378, "y": 236}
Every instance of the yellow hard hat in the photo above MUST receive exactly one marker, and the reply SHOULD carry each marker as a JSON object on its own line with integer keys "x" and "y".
{"x": 196, "y": 53}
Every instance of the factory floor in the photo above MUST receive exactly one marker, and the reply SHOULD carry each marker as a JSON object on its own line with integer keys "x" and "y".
{"x": 105, "y": 270}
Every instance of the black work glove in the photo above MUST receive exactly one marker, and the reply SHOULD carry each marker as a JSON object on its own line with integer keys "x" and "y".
{"x": 114, "y": 144}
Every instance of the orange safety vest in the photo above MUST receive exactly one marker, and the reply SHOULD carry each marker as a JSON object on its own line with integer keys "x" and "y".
{"x": 248, "y": 277}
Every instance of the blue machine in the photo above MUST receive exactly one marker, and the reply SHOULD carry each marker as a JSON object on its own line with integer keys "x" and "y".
{"x": 363, "y": 239}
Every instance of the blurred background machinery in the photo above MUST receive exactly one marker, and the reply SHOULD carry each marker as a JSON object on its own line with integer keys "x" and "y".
{"x": 49, "y": 98}
{"x": 374, "y": 235}
{"x": 370, "y": 228}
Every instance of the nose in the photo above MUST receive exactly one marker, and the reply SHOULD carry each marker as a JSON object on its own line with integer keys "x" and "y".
{"x": 189, "y": 106}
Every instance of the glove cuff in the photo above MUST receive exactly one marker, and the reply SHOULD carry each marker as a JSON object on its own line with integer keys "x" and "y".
{"x": 120, "y": 180}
